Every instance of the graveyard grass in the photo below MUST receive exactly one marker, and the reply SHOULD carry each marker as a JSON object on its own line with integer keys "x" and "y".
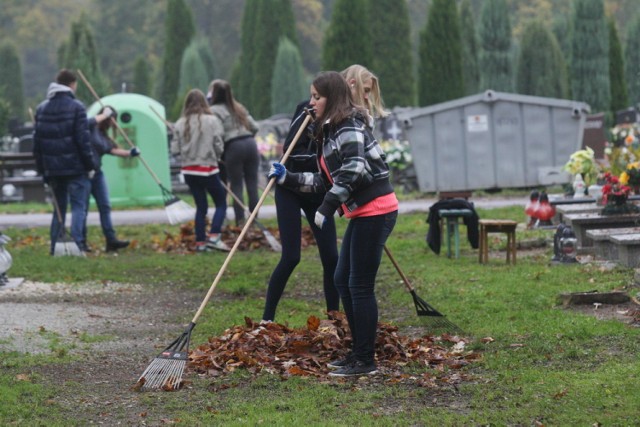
{"x": 545, "y": 365}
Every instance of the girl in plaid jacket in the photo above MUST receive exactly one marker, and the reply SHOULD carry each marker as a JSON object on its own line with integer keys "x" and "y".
{"x": 355, "y": 179}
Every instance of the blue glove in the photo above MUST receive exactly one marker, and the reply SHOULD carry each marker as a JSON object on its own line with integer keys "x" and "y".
{"x": 277, "y": 171}
{"x": 319, "y": 220}
{"x": 135, "y": 151}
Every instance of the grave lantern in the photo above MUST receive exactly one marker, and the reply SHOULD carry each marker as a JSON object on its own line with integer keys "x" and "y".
{"x": 568, "y": 246}
{"x": 545, "y": 212}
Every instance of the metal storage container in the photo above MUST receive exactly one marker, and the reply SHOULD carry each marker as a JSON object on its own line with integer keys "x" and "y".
{"x": 493, "y": 140}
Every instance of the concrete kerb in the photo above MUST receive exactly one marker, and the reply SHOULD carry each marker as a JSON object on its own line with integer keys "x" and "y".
{"x": 158, "y": 216}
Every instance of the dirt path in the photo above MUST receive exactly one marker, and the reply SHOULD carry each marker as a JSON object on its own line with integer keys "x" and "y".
{"x": 114, "y": 329}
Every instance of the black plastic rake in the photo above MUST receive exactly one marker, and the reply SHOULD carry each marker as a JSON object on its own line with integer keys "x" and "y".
{"x": 436, "y": 319}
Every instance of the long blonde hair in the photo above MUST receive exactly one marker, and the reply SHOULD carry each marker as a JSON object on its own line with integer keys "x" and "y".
{"x": 356, "y": 75}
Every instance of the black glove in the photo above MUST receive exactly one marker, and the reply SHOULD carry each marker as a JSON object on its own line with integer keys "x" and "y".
{"x": 134, "y": 152}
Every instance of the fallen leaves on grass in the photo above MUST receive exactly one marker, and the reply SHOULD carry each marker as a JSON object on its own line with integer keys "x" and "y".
{"x": 277, "y": 349}
{"x": 185, "y": 242}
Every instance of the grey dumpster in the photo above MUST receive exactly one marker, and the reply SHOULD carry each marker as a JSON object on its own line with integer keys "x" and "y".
{"x": 493, "y": 140}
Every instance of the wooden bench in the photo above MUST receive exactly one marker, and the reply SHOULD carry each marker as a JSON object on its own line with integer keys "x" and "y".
{"x": 451, "y": 217}
{"x": 581, "y": 223}
{"x": 497, "y": 226}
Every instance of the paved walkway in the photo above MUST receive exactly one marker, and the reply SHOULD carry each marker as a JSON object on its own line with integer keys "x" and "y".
{"x": 158, "y": 216}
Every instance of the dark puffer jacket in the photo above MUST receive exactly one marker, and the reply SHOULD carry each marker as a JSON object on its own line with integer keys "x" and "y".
{"x": 61, "y": 142}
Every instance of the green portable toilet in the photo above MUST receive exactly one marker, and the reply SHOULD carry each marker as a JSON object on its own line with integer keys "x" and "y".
{"x": 130, "y": 182}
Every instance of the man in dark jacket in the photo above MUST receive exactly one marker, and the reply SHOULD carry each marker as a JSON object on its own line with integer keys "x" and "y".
{"x": 63, "y": 153}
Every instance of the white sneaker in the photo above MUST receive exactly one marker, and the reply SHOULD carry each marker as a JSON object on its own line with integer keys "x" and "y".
{"x": 217, "y": 243}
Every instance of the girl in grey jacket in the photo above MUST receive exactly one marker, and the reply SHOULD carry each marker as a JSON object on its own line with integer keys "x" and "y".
{"x": 197, "y": 138}
{"x": 241, "y": 158}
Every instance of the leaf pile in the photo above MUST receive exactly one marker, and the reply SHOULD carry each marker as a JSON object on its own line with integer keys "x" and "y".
{"x": 277, "y": 349}
{"x": 185, "y": 242}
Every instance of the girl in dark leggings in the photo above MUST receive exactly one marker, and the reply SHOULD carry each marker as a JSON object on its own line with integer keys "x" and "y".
{"x": 241, "y": 158}
{"x": 288, "y": 206}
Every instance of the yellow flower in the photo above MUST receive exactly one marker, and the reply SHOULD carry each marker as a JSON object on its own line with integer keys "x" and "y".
{"x": 624, "y": 178}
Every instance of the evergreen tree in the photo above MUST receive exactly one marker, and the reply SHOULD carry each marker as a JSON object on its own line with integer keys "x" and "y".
{"x": 179, "y": 30}
{"x": 193, "y": 71}
{"x": 632, "y": 60}
{"x": 274, "y": 20}
{"x": 391, "y": 36}
{"x": 590, "y": 55}
{"x": 470, "y": 71}
{"x": 141, "y": 77}
{"x": 347, "y": 40}
{"x": 541, "y": 70}
{"x": 619, "y": 96}
{"x": 80, "y": 54}
{"x": 561, "y": 27}
{"x": 289, "y": 86}
{"x": 242, "y": 72}
{"x": 125, "y": 31}
{"x": 11, "y": 79}
{"x": 206, "y": 55}
{"x": 495, "y": 58}
{"x": 440, "y": 76}
{"x": 5, "y": 112}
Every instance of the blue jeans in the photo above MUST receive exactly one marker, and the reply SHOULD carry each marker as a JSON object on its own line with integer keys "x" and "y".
{"x": 100, "y": 192}
{"x": 199, "y": 187}
{"x": 75, "y": 190}
{"x": 355, "y": 278}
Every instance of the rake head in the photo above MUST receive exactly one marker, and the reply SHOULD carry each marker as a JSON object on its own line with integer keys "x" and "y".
{"x": 436, "y": 319}
{"x": 165, "y": 371}
{"x": 178, "y": 211}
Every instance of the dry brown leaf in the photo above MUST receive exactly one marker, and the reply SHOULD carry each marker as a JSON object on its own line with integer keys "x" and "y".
{"x": 138, "y": 386}
{"x": 23, "y": 377}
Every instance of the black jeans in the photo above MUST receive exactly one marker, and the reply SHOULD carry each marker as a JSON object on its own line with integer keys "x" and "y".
{"x": 288, "y": 205}
{"x": 355, "y": 278}
{"x": 199, "y": 186}
{"x": 241, "y": 165}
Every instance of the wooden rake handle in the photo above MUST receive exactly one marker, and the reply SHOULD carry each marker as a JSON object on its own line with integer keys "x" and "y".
{"x": 165, "y": 121}
{"x": 405, "y": 279}
{"x": 120, "y": 130}
{"x": 247, "y": 225}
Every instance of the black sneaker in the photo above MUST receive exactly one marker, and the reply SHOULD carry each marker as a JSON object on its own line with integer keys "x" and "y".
{"x": 114, "y": 245}
{"x": 337, "y": 364}
{"x": 355, "y": 369}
